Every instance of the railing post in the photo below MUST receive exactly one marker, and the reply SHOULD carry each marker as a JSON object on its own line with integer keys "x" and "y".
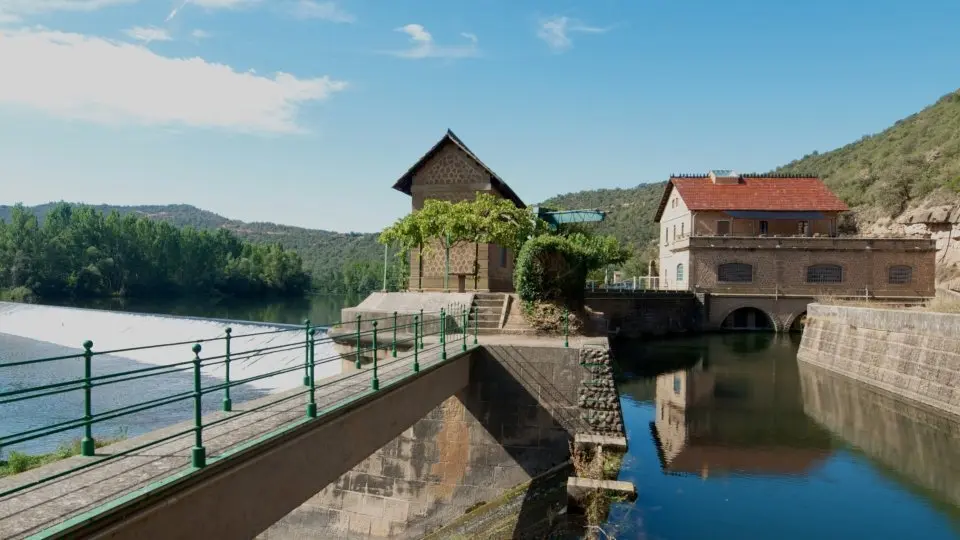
{"x": 87, "y": 445}
{"x": 306, "y": 353}
{"x": 376, "y": 381}
{"x": 566, "y": 328}
{"x": 464, "y": 329}
{"x": 422, "y": 323}
{"x": 476, "y": 324}
{"x": 443, "y": 334}
{"x": 358, "y": 363}
{"x": 198, "y": 454}
{"x": 416, "y": 330}
{"x": 394, "y": 348}
{"x": 312, "y": 405}
{"x": 227, "y": 403}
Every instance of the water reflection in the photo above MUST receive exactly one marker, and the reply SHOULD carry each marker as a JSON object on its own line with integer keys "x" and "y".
{"x": 736, "y": 413}
{"x": 732, "y": 430}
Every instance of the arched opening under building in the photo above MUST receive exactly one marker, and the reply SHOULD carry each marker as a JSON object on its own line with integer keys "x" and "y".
{"x": 799, "y": 322}
{"x": 747, "y": 318}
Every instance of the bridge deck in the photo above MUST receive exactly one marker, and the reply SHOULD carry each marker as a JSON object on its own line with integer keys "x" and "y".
{"x": 49, "y": 507}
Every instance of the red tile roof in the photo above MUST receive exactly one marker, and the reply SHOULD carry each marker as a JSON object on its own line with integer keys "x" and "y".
{"x": 764, "y": 193}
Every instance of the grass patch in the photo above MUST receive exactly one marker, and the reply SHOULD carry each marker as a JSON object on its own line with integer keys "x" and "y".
{"x": 18, "y": 462}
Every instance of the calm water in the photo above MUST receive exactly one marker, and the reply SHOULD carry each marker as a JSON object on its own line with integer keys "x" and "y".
{"x": 731, "y": 438}
{"x": 35, "y": 413}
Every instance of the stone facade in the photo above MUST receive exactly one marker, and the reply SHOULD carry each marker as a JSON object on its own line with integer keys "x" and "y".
{"x": 650, "y": 313}
{"x": 780, "y": 265}
{"x": 598, "y": 398}
{"x": 451, "y": 174}
{"x": 911, "y": 354}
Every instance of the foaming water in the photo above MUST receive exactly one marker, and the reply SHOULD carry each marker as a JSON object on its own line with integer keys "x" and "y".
{"x": 30, "y": 332}
{"x": 70, "y": 327}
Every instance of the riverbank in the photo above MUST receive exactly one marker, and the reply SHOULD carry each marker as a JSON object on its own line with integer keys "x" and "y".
{"x": 18, "y": 462}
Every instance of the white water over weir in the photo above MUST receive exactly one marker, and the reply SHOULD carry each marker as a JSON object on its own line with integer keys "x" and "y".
{"x": 111, "y": 330}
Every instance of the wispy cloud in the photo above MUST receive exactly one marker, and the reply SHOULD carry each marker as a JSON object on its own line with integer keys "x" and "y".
{"x": 148, "y": 33}
{"x": 327, "y": 11}
{"x": 200, "y": 34}
{"x": 555, "y": 31}
{"x": 76, "y": 76}
{"x": 16, "y": 10}
{"x": 422, "y": 45}
{"x": 210, "y": 4}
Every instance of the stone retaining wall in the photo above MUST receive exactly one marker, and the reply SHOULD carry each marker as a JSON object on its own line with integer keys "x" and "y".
{"x": 526, "y": 401}
{"x": 913, "y": 354}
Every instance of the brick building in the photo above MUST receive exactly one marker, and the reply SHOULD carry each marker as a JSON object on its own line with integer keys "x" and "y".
{"x": 450, "y": 171}
{"x": 724, "y": 232}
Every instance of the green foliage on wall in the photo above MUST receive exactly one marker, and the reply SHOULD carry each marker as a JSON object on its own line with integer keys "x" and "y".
{"x": 554, "y": 268}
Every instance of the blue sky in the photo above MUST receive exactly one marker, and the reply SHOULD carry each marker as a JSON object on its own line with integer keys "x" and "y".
{"x": 305, "y": 112}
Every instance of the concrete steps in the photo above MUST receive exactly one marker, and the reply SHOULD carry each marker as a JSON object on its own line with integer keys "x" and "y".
{"x": 487, "y": 311}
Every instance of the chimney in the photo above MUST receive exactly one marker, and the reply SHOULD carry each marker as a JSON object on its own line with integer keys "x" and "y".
{"x": 724, "y": 177}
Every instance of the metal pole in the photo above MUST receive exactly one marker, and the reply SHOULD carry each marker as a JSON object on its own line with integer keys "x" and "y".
{"x": 446, "y": 274}
{"x": 443, "y": 337}
{"x": 87, "y": 445}
{"x": 476, "y": 324}
{"x": 227, "y": 403}
{"x": 464, "y": 329}
{"x": 386, "y": 249}
{"x": 312, "y": 405}
{"x": 358, "y": 364}
{"x": 198, "y": 454}
{"x": 423, "y": 323}
{"x": 394, "y": 351}
{"x": 306, "y": 353}
{"x": 566, "y": 328}
{"x": 416, "y": 330}
{"x": 376, "y": 381}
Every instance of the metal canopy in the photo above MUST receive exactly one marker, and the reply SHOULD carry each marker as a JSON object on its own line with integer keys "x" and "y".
{"x": 751, "y": 214}
{"x": 558, "y": 217}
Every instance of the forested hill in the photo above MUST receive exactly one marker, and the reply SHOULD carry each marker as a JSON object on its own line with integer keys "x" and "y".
{"x": 916, "y": 160}
{"x": 325, "y": 254}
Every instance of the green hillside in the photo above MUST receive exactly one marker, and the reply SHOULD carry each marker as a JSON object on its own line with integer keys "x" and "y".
{"x": 915, "y": 160}
{"x": 327, "y": 255}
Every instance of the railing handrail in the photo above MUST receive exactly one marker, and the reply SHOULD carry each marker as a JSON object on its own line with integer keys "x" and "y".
{"x": 400, "y": 330}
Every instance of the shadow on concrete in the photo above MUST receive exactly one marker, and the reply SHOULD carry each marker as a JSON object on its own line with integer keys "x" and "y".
{"x": 530, "y": 408}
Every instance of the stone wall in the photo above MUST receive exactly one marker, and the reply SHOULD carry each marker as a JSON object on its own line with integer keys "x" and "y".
{"x": 647, "y": 314}
{"x": 918, "y": 443}
{"x": 912, "y": 354}
{"x": 515, "y": 421}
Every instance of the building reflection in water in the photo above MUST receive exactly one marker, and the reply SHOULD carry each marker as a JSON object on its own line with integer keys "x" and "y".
{"x": 738, "y": 410}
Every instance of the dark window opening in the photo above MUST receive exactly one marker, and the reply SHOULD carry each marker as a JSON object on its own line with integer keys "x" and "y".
{"x": 900, "y": 275}
{"x": 825, "y": 273}
{"x": 764, "y": 227}
{"x": 735, "y": 273}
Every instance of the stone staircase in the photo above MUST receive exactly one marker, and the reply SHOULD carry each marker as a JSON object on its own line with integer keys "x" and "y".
{"x": 488, "y": 308}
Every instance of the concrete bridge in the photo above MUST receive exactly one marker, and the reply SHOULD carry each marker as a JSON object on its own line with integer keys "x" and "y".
{"x": 445, "y": 420}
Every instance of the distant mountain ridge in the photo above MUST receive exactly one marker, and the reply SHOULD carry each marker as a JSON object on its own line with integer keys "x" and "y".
{"x": 324, "y": 252}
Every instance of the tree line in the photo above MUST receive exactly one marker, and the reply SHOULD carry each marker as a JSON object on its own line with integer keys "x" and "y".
{"x": 79, "y": 251}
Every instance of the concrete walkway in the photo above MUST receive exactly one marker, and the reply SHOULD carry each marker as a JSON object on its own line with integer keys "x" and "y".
{"x": 80, "y": 495}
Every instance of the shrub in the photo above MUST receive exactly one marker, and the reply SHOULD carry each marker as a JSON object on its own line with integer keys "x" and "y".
{"x": 18, "y": 294}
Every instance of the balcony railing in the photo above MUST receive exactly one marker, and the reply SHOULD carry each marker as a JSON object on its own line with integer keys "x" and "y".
{"x": 834, "y": 243}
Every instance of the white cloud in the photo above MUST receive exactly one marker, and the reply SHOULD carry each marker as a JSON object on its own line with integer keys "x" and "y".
{"x": 148, "y": 33}
{"x": 200, "y": 34}
{"x": 94, "y": 79}
{"x": 423, "y": 45}
{"x": 15, "y": 10}
{"x": 555, "y": 31}
{"x": 327, "y": 11}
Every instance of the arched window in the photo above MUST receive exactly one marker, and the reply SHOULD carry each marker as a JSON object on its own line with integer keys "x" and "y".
{"x": 680, "y": 272}
{"x": 825, "y": 273}
{"x": 900, "y": 275}
{"x": 735, "y": 273}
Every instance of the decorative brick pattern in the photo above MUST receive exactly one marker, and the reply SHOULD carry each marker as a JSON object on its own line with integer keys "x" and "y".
{"x": 450, "y": 166}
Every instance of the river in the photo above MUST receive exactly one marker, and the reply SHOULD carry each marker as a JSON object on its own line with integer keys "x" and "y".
{"x": 730, "y": 438}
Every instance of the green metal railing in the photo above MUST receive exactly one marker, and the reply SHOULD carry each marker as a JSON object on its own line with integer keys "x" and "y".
{"x": 408, "y": 334}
